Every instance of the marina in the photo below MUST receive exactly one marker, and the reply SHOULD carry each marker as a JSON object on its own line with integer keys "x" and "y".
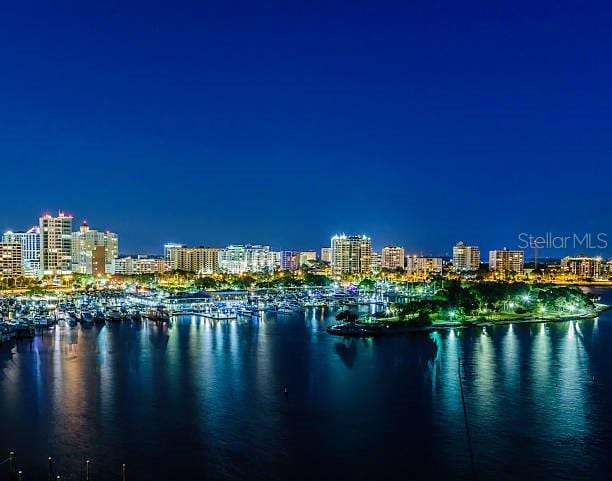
{"x": 312, "y": 241}
{"x": 23, "y": 316}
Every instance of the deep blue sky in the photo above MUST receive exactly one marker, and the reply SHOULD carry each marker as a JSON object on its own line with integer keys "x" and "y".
{"x": 418, "y": 123}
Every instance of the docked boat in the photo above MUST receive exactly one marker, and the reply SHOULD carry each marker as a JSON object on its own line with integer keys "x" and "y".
{"x": 249, "y": 310}
{"x": 23, "y": 329}
{"x": 42, "y": 322}
{"x": 159, "y": 314}
{"x": 355, "y": 330}
{"x": 290, "y": 307}
{"x": 87, "y": 318}
{"x": 7, "y": 332}
{"x": 72, "y": 319}
{"x": 99, "y": 318}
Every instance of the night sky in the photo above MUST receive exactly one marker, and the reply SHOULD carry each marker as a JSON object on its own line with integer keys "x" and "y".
{"x": 208, "y": 123}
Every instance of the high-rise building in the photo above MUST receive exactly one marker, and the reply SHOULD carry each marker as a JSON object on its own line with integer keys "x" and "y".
{"x": 289, "y": 261}
{"x": 326, "y": 254}
{"x": 30, "y": 249}
{"x": 583, "y": 266}
{"x": 55, "y": 244}
{"x": 375, "y": 262}
{"x": 232, "y": 259}
{"x": 307, "y": 257}
{"x": 88, "y": 241}
{"x": 261, "y": 259}
{"x": 275, "y": 260}
{"x": 466, "y": 258}
{"x": 170, "y": 249}
{"x": 350, "y": 254}
{"x": 507, "y": 261}
{"x": 10, "y": 259}
{"x": 98, "y": 261}
{"x": 239, "y": 258}
{"x": 423, "y": 266}
{"x": 393, "y": 258}
{"x": 201, "y": 260}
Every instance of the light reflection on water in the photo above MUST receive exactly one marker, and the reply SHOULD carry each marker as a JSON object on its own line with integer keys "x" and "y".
{"x": 208, "y": 397}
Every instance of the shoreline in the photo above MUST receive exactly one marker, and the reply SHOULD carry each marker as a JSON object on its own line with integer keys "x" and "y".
{"x": 53, "y": 290}
{"x": 387, "y": 329}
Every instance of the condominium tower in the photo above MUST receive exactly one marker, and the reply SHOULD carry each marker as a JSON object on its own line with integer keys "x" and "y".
{"x": 10, "y": 259}
{"x": 170, "y": 249}
{"x": 424, "y": 266}
{"x": 30, "y": 248}
{"x": 507, "y": 261}
{"x": 239, "y": 258}
{"x": 466, "y": 258}
{"x": 583, "y": 266}
{"x": 350, "y": 254}
{"x": 393, "y": 258}
{"x": 289, "y": 261}
{"x": 94, "y": 252}
{"x": 55, "y": 244}
{"x": 201, "y": 260}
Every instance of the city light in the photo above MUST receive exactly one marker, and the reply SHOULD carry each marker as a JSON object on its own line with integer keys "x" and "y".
{"x": 311, "y": 240}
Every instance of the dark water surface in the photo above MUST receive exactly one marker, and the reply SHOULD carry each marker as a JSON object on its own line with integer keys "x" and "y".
{"x": 204, "y": 400}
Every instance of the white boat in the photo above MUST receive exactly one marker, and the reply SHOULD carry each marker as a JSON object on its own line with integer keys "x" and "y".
{"x": 290, "y": 307}
{"x": 42, "y": 321}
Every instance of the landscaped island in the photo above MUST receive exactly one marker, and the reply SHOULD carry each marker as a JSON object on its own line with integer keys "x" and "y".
{"x": 483, "y": 303}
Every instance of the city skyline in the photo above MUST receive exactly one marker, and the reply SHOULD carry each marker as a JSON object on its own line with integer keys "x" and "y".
{"x": 306, "y": 240}
{"x": 58, "y": 249}
{"x": 577, "y": 244}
